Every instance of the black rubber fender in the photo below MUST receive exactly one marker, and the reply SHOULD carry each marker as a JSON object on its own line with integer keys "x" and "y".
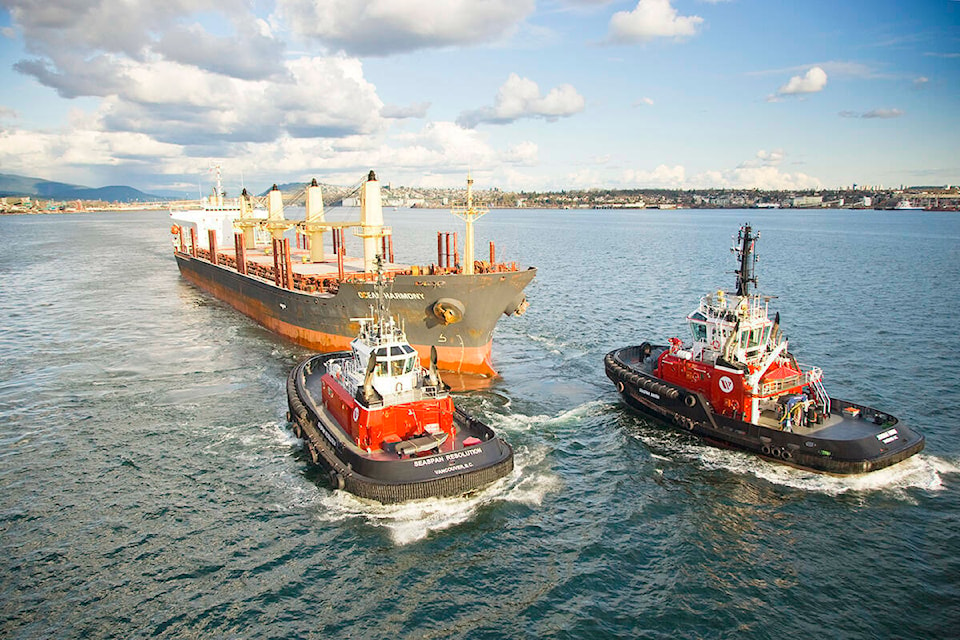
{"x": 336, "y": 480}
{"x": 765, "y": 449}
{"x": 690, "y": 400}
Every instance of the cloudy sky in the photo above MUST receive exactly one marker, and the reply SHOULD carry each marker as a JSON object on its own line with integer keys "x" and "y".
{"x": 528, "y": 94}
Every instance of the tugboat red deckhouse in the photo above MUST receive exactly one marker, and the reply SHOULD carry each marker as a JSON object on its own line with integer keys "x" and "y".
{"x": 241, "y": 256}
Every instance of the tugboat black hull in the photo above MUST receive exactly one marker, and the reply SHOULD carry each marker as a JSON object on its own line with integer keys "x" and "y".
{"x": 869, "y": 442}
{"x": 444, "y": 474}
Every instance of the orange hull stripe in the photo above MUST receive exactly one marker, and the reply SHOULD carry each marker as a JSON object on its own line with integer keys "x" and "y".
{"x": 472, "y": 360}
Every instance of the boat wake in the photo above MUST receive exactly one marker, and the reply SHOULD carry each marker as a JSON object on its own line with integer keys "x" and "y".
{"x": 415, "y": 520}
{"x": 552, "y": 345}
{"x": 917, "y": 472}
{"x": 517, "y": 423}
{"x": 922, "y": 471}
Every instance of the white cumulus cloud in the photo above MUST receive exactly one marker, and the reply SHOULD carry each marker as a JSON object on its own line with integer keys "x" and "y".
{"x": 382, "y": 27}
{"x": 521, "y": 98}
{"x": 651, "y": 19}
{"x": 812, "y": 81}
{"x": 523, "y": 153}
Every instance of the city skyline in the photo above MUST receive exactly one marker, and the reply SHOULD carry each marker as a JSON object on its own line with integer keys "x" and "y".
{"x": 526, "y": 95}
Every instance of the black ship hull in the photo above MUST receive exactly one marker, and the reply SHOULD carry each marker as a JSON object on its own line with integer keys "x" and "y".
{"x": 391, "y": 479}
{"x": 848, "y": 445}
{"x": 326, "y": 322}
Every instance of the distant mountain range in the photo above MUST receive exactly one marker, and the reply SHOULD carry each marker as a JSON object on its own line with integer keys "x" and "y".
{"x": 13, "y": 185}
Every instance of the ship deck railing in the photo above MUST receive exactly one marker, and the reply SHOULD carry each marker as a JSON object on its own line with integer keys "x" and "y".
{"x": 411, "y": 395}
{"x": 776, "y": 387}
{"x": 323, "y": 277}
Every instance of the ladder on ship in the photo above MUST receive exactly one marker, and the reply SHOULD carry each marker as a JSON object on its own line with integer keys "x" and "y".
{"x": 822, "y": 398}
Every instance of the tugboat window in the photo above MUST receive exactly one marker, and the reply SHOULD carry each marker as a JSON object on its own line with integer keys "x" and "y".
{"x": 699, "y": 331}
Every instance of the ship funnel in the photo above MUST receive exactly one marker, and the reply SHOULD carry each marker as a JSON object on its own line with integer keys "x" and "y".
{"x": 371, "y": 221}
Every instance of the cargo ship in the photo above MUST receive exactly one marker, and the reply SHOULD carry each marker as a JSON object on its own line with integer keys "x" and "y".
{"x": 244, "y": 257}
{"x": 385, "y": 428}
{"x": 735, "y": 384}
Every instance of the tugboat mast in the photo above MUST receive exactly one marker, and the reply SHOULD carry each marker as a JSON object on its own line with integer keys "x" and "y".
{"x": 745, "y": 250}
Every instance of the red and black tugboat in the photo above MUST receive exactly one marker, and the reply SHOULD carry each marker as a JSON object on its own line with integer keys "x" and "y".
{"x": 735, "y": 384}
{"x": 384, "y": 427}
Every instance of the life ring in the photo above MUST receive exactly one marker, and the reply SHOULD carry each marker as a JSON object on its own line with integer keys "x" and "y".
{"x": 690, "y": 400}
{"x": 715, "y": 345}
{"x": 175, "y": 230}
{"x": 399, "y": 387}
{"x": 356, "y": 413}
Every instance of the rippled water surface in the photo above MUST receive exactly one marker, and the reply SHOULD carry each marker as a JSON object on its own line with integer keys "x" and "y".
{"x": 151, "y": 487}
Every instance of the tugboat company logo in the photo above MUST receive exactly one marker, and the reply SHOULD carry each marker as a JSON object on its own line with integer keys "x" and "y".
{"x": 726, "y": 384}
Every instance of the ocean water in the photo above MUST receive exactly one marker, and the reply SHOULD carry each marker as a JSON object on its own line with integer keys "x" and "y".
{"x": 150, "y": 486}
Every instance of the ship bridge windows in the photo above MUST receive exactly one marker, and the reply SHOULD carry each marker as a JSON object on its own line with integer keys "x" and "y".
{"x": 401, "y": 359}
{"x": 752, "y": 340}
{"x": 699, "y": 330}
{"x": 400, "y": 366}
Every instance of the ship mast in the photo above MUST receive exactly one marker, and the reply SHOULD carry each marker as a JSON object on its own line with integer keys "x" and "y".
{"x": 468, "y": 214}
{"x": 745, "y": 250}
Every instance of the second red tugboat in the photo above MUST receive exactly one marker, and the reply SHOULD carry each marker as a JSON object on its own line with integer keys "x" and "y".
{"x": 736, "y": 385}
{"x": 385, "y": 428}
